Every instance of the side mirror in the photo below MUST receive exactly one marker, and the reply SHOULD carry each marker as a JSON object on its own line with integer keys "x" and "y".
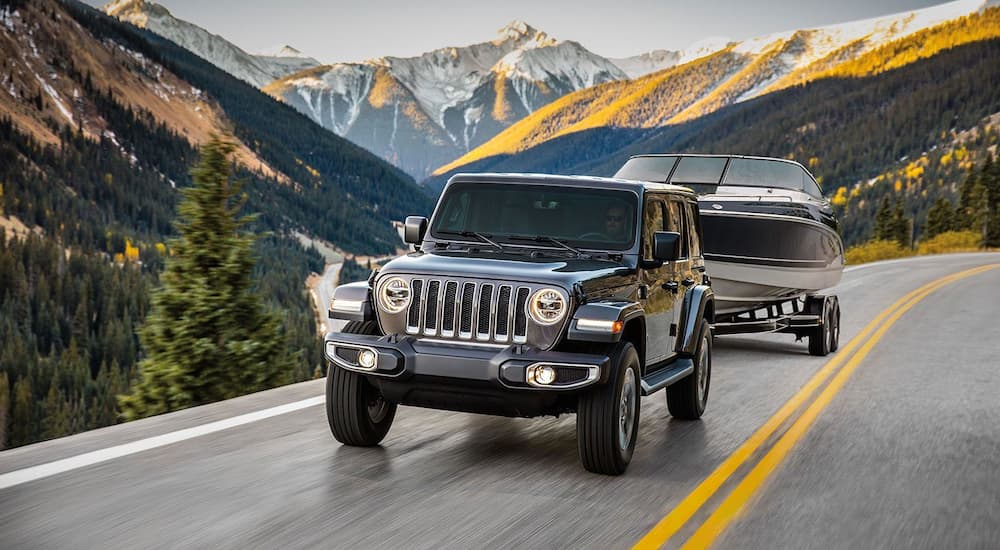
{"x": 414, "y": 229}
{"x": 666, "y": 246}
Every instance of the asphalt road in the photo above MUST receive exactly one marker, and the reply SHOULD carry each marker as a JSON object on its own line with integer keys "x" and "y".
{"x": 906, "y": 455}
{"x": 324, "y": 292}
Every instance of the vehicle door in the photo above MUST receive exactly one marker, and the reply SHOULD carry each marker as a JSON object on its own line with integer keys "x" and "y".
{"x": 680, "y": 274}
{"x": 659, "y": 299}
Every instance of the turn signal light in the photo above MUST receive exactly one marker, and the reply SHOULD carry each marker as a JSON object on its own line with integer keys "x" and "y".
{"x": 593, "y": 325}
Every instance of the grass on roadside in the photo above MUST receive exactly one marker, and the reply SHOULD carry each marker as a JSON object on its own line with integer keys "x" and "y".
{"x": 949, "y": 241}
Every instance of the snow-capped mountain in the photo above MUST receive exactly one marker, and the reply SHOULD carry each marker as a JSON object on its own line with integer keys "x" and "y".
{"x": 421, "y": 111}
{"x": 256, "y": 70}
{"x": 716, "y": 72}
{"x": 649, "y": 62}
{"x": 783, "y": 59}
{"x": 285, "y": 61}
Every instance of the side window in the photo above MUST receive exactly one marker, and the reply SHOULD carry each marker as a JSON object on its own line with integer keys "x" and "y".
{"x": 676, "y": 223}
{"x": 694, "y": 229}
{"x": 653, "y": 221}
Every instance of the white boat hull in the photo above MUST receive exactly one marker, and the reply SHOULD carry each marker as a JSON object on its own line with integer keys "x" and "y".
{"x": 742, "y": 287}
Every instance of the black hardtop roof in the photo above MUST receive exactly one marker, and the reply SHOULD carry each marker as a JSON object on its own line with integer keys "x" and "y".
{"x": 571, "y": 181}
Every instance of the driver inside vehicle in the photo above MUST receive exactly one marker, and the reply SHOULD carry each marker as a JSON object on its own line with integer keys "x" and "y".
{"x": 614, "y": 223}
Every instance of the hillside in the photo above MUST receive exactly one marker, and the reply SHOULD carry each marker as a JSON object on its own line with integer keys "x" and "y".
{"x": 341, "y": 192}
{"x": 742, "y": 71}
{"x": 847, "y": 130}
{"x": 99, "y": 126}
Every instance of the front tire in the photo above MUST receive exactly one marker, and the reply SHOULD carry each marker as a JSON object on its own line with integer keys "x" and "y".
{"x": 686, "y": 399}
{"x": 355, "y": 409}
{"x": 607, "y": 417}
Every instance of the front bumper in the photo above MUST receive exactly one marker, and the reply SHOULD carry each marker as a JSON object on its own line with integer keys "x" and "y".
{"x": 454, "y": 376}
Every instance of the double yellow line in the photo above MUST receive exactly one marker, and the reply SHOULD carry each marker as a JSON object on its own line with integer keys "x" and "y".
{"x": 840, "y": 367}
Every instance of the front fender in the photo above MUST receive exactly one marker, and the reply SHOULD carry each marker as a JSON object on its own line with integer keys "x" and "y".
{"x": 352, "y": 302}
{"x": 699, "y": 303}
{"x": 607, "y": 312}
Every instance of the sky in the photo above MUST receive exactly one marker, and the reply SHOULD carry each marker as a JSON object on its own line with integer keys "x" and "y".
{"x": 339, "y": 31}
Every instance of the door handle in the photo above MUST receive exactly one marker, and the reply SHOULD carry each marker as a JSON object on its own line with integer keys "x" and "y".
{"x": 687, "y": 282}
{"x": 672, "y": 286}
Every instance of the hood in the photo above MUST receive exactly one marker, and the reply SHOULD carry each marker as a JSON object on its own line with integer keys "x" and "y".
{"x": 564, "y": 272}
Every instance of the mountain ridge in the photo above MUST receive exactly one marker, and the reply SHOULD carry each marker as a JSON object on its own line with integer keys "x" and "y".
{"x": 257, "y": 70}
{"x": 469, "y": 93}
{"x": 757, "y": 66}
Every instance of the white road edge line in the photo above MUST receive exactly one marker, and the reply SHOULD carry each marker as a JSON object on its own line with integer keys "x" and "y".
{"x": 33, "y": 473}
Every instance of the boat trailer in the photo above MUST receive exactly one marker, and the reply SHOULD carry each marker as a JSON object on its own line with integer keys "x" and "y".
{"x": 812, "y": 316}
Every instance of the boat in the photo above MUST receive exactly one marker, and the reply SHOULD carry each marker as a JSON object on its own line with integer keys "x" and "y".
{"x": 769, "y": 234}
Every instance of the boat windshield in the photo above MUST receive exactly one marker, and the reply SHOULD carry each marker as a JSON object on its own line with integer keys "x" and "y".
{"x": 770, "y": 173}
{"x": 515, "y": 213}
{"x": 705, "y": 174}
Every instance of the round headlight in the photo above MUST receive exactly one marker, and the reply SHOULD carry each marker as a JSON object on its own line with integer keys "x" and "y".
{"x": 394, "y": 295}
{"x": 547, "y": 306}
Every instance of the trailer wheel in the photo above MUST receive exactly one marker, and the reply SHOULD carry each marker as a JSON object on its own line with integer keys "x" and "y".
{"x": 835, "y": 324}
{"x": 821, "y": 337}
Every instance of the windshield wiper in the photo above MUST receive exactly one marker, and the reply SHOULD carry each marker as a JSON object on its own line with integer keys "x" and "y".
{"x": 476, "y": 234}
{"x": 545, "y": 238}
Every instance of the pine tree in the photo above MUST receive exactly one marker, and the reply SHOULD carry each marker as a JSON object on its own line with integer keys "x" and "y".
{"x": 940, "y": 218}
{"x": 207, "y": 337}
{"x": 883, "y": 221}
{"x": 990, "y": 180}
{"x": 56, "y": 421}
{"x": 901, "y": 227}
{"x": 979, "y": 211}
{"x": 4, "y": 406}
{"x": 964, "y": 210}
{"x": 22, "y": 429}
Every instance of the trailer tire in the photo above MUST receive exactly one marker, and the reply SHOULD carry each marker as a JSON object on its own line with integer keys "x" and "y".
{"x": 835, "y": 325}
{"x": 821, "y": 337}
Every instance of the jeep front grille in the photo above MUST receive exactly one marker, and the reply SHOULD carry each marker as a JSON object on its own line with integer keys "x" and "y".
{"x": 482, "y": 311}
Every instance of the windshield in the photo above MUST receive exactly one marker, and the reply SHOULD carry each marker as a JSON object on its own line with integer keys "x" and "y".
{"x": 770, "y": 173}
{"x": 655, "y": 169}
{"x": 587, "y": 218}
{"x": 703, "y": 174}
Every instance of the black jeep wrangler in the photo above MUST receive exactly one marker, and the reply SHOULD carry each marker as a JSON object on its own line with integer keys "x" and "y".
{"x": 532, "y": 295}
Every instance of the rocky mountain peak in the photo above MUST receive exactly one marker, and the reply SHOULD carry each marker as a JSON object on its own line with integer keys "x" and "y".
{"x": 129, "y": 8}
{"x": 520, "y": 32}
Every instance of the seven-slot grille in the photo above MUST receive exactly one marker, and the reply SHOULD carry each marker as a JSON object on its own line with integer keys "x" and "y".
{"x": 466, "y": 310}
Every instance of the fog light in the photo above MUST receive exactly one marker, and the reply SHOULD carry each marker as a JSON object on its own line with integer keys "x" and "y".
{"x": 545, "y": 375}
{"x": 366, "y": 359}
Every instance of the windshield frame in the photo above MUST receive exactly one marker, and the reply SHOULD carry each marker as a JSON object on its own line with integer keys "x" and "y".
{"x": 635, "y": 194}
